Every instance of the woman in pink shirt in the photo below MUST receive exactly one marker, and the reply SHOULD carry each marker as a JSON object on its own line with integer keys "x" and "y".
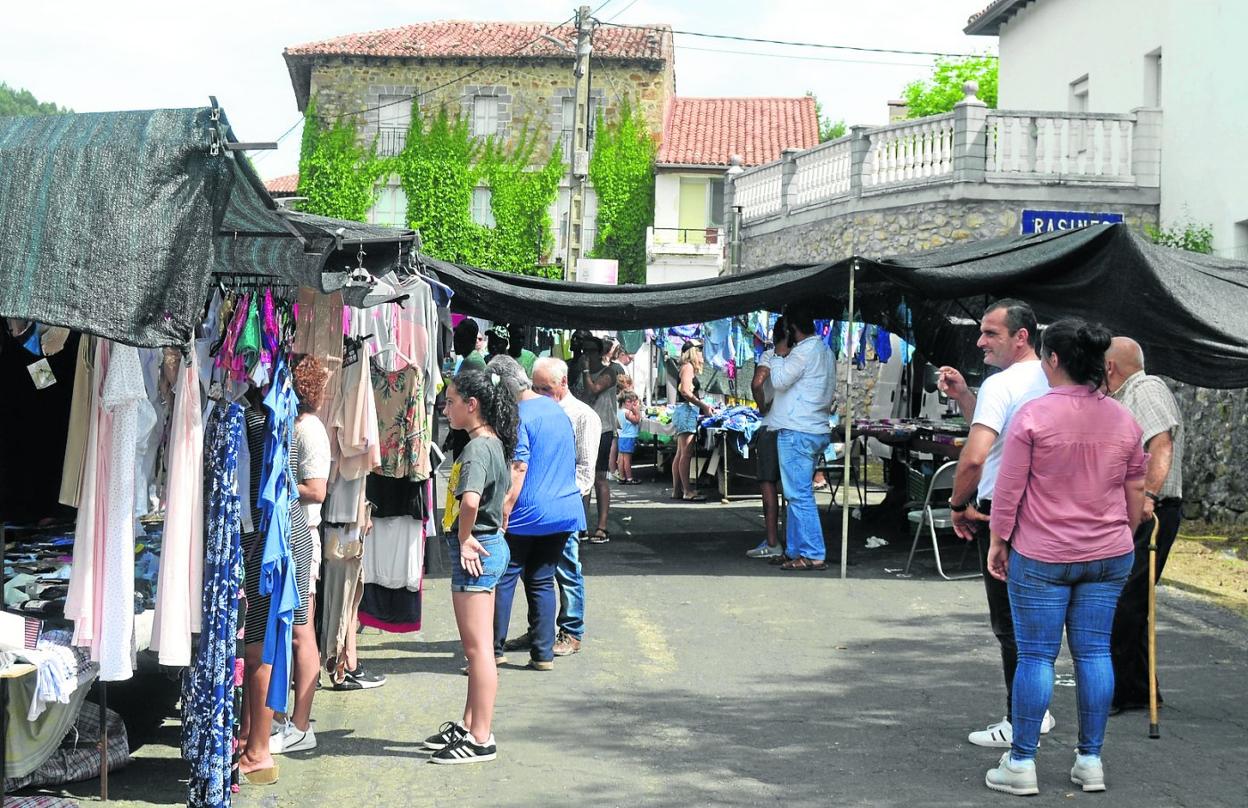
{"x": 1069, "y": 495}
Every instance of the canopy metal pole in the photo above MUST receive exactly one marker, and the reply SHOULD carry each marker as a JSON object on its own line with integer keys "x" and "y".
{"x": 848, "y": 424}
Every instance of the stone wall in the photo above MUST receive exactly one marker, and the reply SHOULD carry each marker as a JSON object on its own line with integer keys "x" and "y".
{"x": 1215, "y": 422}
{"x": 898, "y": 230}
{"x": 529, "y": 90}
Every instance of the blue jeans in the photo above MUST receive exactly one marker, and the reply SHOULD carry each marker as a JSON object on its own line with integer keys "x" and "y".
{"x": 799, "y": 454}
{"x": 571, "y": 590}
{"x": 1082, "y": 597}
{"x": 534, "y": 558}
{"x": 493, "y": 566}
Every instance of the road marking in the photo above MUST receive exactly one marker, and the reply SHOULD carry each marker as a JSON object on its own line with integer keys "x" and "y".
{"x": 650, "y": 642}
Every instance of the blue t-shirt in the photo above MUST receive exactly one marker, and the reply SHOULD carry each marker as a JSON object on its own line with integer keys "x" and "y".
{"x": 549, "y": 500}
{"x": 627, "y": 428}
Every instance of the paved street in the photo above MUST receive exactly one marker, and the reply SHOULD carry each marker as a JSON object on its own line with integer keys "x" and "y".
{"x": 710, "y": 679}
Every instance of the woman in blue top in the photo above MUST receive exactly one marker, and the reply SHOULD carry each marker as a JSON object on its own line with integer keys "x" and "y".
{"x": 480, "y": 479}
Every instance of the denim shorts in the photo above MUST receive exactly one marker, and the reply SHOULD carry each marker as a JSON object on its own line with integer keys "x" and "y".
{"x": 685, "y": 418}
{"x": 493, "y": 565}
{"x": 627, "y": 445}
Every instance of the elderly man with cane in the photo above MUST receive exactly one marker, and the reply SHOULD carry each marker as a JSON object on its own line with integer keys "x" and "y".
{"x": 1156, "y": 411}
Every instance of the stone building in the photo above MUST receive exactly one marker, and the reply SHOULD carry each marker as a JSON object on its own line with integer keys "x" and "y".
{"x": 499, "y": 76}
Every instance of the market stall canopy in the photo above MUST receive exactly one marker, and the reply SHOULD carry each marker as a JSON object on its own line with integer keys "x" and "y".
{"x": 1188, "y": 311}
{"x": 113, "y": 223}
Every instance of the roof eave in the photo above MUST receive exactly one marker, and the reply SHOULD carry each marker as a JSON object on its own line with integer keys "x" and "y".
{"x": 692, "y": 166}
{"x": 990, "y": 21}
{"x": 300, "y": 69}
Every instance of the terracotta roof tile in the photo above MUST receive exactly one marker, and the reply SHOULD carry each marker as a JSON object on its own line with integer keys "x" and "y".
{"x": 284, "y": 186}
{"x": 708, "y": 131}
{"x": 466, "y": 39}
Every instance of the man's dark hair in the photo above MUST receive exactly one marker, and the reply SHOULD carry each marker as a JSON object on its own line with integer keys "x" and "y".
{"x": 1017, "y": 315}
{"x": 777, "y": 330}
{"x": 800, "y": 317}
{"x": 464, "y": 339}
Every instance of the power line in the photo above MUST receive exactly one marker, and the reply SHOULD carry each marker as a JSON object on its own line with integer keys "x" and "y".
{"x": 807, "y": 58}
{"x": 457, "y": 79}
{"x": 283, "y": 136}
{"x": 621, "y": 11}
{"x": 857, "y": 48}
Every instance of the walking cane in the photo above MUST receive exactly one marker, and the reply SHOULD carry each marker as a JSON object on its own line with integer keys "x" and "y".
{"x": 1154, "y": 726}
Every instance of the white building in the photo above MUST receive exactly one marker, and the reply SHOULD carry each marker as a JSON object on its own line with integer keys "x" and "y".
{"x": 1113, "y": 56}
{"x": 701, "y": 136}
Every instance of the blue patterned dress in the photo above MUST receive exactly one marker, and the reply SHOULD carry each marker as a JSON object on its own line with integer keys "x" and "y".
{"x": 209, "y": 709}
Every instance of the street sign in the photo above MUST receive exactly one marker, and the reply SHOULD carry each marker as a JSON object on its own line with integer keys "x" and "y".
{"x": 1046, "y": 221}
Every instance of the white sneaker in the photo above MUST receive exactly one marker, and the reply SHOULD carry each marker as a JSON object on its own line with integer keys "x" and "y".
{"x": 1088, "y": 772}
{"x": 1017, "y": 777}
{"x": 765, "y": 550}
{"x": 292, "y": 739}
{"x": 1001, "y": 734}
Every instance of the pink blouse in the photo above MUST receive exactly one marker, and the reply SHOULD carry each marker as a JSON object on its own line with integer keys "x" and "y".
{"x": 1060, "y": 496}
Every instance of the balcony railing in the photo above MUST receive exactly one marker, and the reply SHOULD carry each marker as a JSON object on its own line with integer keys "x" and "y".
{"x": 391, "y": 141}
{"x": 687, "y": 235}
{"x": 970, "y": 144}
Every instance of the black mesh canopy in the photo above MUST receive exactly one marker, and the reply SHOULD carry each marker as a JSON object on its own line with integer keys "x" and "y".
{"x": 113, "y": 223}
{"x": 1188, "y": 311}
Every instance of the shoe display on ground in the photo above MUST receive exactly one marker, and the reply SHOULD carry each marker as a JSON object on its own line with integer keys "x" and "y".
{"x": 765, "y": 550}
{"x": 522, "y": 643}
{"x": 1013, "y": 777}
{"x": 1088, "y": 772}
{"x": 292, "y": 739}
{"x": 447, "y": 734}
{"x": 566, "y": 644}
{"x": 465, "y": 749}
{"x": 1001, "y": 734}
{"x": 542, "y": 664}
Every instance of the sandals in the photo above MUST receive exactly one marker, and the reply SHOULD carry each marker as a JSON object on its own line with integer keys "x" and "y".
{"x": 599, "y": 536}
{"x": 694, "y": 498}
{"x": 804, "y": 565}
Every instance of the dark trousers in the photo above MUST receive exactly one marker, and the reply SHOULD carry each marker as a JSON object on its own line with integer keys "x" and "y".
{"x": 999, "y": 614}
{"x": 534, "y": 558}
{"x": 1129, "y": 643}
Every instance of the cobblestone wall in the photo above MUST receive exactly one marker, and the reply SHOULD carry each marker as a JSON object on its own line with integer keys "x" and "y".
{"x": 898, "y": 230}
{"x": 1215, "y": 485}
{"x": 530, "y": 92}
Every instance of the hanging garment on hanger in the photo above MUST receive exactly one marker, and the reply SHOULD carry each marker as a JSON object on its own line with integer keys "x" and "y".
{"x": 79, "y": 424}
{"x": 404, "y": 423}
{"x": 208, "y": 704}
{"x": 80, "y": 601}
{"x": 122, "y": 395}
{"x": 180, "y": 587}
{"x": 354, "y": 429}
{"x": 277, "y": 570}
{"x": 341, "y": 589}
{"x": 318, "y": 331}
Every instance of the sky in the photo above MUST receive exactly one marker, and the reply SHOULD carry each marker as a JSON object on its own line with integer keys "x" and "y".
{"x": 141, "y": 54}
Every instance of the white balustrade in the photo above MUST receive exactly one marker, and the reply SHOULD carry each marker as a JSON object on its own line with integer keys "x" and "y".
{"x": 823, "y": 173}
{"x": 912, "y": 152}
{"x": 758, "y": 191}
{"x": 1074, "y": 146}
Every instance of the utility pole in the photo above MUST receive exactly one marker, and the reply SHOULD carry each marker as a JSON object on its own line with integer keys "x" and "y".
{"x": 579, "y": 159}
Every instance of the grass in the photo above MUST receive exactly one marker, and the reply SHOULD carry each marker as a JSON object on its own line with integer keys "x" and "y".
{"x": 1212, "y": 561}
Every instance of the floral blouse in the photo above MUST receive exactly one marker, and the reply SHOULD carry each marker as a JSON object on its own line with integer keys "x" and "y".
{"x": 403, "y": 423}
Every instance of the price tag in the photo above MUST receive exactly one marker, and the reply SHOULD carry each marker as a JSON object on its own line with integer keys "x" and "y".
{"x": 41, "y": 374}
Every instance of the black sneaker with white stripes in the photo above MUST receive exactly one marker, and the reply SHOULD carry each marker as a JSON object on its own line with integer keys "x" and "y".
{"x": 448, "y": 733}
{"x": 466, "y": 750}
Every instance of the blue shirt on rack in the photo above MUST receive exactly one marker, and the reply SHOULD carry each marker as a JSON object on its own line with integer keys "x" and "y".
{"x": 277, "y": 573}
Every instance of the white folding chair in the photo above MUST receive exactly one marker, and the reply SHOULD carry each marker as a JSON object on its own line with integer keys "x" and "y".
{"x": 936, "y": 519}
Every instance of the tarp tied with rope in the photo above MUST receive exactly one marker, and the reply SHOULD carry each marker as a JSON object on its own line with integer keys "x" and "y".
{"x": 113, "y": 223}
{"x": 1188, "y": 311}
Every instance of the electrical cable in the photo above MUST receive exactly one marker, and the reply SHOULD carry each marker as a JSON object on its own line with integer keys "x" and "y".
{"x": 621, "y": 11}
{"x": 806, "y": 58}
{"x": 857, "y": 48}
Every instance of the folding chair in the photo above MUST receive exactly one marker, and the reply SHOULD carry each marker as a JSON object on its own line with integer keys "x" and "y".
{"x": 935, "y": 518}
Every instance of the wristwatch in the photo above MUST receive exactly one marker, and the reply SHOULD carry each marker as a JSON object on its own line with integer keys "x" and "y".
{"x": 960, "y": 508}
{"x": 1155, "y": 497}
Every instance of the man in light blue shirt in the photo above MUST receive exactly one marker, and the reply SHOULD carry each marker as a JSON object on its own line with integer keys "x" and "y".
{"x": 804, "y": 378}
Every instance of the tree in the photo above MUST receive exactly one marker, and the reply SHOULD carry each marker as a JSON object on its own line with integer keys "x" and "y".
{"x": 828, "y": 128}
{"x": 21, "y": 102}
{"x": 622, "y": 171}
{"x": 943, "y": 90}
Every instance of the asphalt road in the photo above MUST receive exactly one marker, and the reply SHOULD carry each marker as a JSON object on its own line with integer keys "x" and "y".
{"x": 710, "y": 679}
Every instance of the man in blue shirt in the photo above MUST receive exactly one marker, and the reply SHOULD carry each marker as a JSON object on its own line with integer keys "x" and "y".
{"x": 542, "y": 511}
{"x": 803, "y": 374}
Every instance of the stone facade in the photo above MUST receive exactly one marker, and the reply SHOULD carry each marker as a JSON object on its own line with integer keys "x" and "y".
{"x": 905, "y": 228}
{"x": 529, "y": 90}
{"x": 1215, "y": 487}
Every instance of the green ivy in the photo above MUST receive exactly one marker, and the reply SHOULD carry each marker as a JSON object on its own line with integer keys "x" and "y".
{"x": 1184, "y": 234}
{"x": 440, "y": 165}
{"x": 622, "y": 171}
{"x": 337, "y": 174}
